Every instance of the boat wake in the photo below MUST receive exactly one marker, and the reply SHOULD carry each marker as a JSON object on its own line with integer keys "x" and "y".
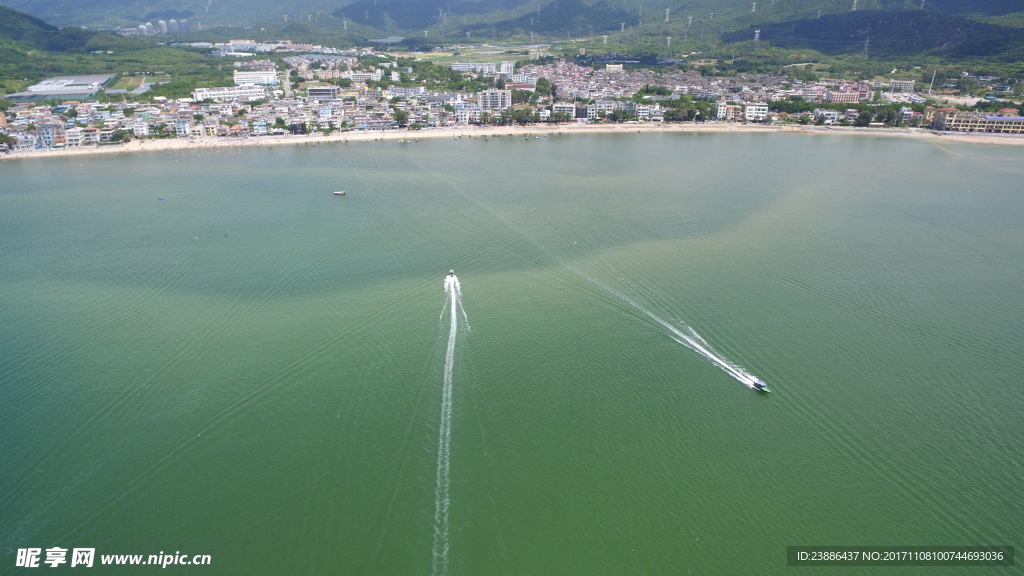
{"x": 694, "y": 342}
{"x": 685, "y": 335}
{"x": 441, "y": 489}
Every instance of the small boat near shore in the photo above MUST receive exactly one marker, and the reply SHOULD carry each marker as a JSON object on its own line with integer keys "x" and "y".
{"x": 339, "y": 193}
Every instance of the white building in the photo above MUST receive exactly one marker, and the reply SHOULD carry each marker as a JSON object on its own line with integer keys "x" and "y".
{"x": 901, "y": 85}
{"x": 507, "y": 68}
{"x": 756, "y": 112}
{"x": 75, "y": 136}
{"x": 845, "y": 97}
{"x": 265, "y": 77}
{"x": 567, "y": 108}
{"x": 362, "y": 77}
{"x": 830, "y": 116}
{"x": 494, "y": 99}
{"x": 405, "y": 91}
{"x": 226, "y": 94}
{"x": 322, "y": 93}
{"x": 522, "y": 79}
{"x": 481, "y": 67}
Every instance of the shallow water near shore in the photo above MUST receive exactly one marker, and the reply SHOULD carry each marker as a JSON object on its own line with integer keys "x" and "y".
{"x": 252, "y": 367}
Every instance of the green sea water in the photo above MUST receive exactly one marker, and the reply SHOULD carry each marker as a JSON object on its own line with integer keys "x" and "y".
{"x": 252, "y": 368}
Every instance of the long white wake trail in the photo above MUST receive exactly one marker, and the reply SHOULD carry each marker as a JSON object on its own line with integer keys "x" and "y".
{"x": 687, "y": 336}
{"x": 441, "y": 493}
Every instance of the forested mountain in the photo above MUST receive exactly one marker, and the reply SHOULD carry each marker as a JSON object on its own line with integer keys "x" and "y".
{"x": 33, "y": 32}
{"x": 882, "y": 28}
{"x": 408, "y": 15}
{"x": 117, "y": 12}
{"x": 895, "y": 34}
{"x": 563, "y": 16}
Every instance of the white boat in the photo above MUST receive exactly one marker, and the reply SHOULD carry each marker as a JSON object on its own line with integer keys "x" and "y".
{"x": 339, "y": 193}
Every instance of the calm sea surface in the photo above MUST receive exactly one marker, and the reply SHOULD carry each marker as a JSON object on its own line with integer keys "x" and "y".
{"x": 252, "y": 368}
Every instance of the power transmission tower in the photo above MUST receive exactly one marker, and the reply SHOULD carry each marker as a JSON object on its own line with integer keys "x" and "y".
{"x": 666, "y": 14}
{"x": 757, "y": 39}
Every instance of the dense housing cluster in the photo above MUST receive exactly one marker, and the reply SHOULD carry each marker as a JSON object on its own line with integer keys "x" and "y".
{"x": 325, "y": 90}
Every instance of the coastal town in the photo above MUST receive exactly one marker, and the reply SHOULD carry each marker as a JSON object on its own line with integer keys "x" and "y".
{"x": 319, "y": 90}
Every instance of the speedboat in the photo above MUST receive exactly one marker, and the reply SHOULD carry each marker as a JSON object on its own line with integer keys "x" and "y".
{"x": 761, "y": 386}
{"x": 451, "y": 272}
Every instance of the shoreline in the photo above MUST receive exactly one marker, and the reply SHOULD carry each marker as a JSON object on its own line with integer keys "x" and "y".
{"x": 179, "y": 144}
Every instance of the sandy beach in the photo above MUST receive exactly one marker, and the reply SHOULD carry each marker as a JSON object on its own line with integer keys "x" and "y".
{"x": 178, "y": 144}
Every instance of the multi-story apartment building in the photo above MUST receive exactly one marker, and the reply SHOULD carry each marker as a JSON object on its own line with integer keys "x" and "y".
{"x": 263, "y": 77}
{"x": 247, "y": 93}
{"x": 494, "y": 99}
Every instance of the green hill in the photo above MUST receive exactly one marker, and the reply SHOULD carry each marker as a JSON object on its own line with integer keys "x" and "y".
{"x": 977, "y": 7}
{"x": 35, "y": 33}
{"x": 407, "y": 15}
{"x": 466, "y": 15}
{"x": 109, "y": 13}
{"x": 954, "y": 29}
{"x": 892, "y": 35}
{"x": 563, "y": 16}
{"x": 31, "y": 50}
